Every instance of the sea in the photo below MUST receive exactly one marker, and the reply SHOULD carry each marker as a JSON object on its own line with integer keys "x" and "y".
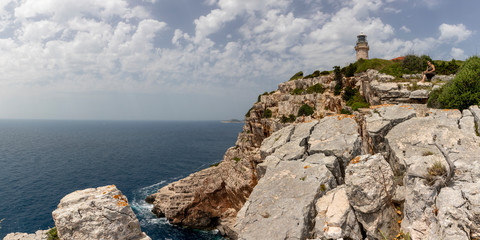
{"x": 41, "y": 161}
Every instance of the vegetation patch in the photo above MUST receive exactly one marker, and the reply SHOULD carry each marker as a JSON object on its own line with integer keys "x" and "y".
{"x": 290, "y": 119}
{"x": 236, "y": 159}
{"x": 297, "y": 75}
{"x": 313, "y": 75}
{"x": 297, "y": 91}
{"x": 354, "y": 99}
{"x": 317, "y": 88}
{"x": 346, "y": 111}
{"x": 260, "y": 96}
{"x": 52, "y": 234}
{"x": 436, "y": 170}
{"x": 427, "y": 153}
{"x": 461, "y": 92}
{"x": 267, "y": 113}
{"x": 305, "y": 110}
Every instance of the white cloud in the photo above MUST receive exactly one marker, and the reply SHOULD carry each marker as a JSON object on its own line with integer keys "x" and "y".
{"x": 457, "y": 53}
{"x": 405, "y": 29}
{"x": 456, "y": 33}
{"x": 229, "y": 10}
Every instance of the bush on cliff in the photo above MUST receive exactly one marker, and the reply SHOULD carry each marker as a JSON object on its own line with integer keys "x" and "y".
{"x": 313, "y": 75}
{"x": 463, "y": 91}
{"x": 267, "y": 113}
{"x": 290, "y": 119}
{"x": 297, "y": 75}
{"x": 305, "y": 110}
{"x": 317, "y": 88}
{"x": 354, "y": 99}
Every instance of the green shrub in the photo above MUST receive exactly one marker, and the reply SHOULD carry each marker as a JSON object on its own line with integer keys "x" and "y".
{"x": 52, "y": 234}
{"x": 305, "y": 110}
{"x": 267, "y": 113}
{"x": 433, "y": 101}
{"x": 313, "y": 75}
{"x": 317, "y": 88}
{"x": 360, "y": 104}
{"x": 290, "y": 119}
{"x": 349, "y": 93}
{"x": 236, "y": 159}
{"x": 323, "y": 73}
{"x": 415, "y": 63}
{"x": 447, "y": 68}
{"x": 464, "y": 90}
{"x": 350, "y": 70}
{"x": 395, "y": 69}
{"x": 337, "y": 90}
{"x": 297, "y": 75}
{"x": 297, "y": 91}
{"x": 354, "y": 99}
{"x": 345, "y": 111}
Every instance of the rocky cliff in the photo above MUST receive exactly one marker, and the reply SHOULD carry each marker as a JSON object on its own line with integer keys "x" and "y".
{"x": 94, "y": 213}
{"x": 394, "y": 169}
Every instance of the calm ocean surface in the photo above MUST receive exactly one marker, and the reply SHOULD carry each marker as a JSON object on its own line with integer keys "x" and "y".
{"x": 42, "y": 161}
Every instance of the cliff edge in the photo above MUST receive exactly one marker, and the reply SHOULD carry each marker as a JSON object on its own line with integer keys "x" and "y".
{"x": 395, "y": 170}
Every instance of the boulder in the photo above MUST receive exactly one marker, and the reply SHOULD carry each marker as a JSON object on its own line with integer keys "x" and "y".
{"x": 336, "y": 136}
{"x": 97, "y": 213}
{"x": 335, "y": 218}
{"x": 282, "y": 205}
{"x": 382, "y": 119}
{"x": 369, "y": 187}
{"x": 38, "y": 235}
{"x": 211, "y": 196}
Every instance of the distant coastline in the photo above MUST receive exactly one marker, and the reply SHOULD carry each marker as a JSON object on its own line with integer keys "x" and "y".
{"x": 232, "y": 121}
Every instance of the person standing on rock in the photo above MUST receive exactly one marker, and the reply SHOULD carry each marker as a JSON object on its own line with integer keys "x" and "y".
{"x": 429, "y": 73}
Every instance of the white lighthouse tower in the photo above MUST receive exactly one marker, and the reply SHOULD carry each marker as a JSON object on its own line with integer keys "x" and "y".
{"x": 362, "y": 46}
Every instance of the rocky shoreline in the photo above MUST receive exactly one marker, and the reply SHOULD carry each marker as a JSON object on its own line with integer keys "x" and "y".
{"x": 396, "y": 170}
{"x": 331, "y": 176}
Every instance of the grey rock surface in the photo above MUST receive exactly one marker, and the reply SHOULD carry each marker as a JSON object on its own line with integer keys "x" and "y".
{"x": 335, "y": 218}
{"x": 97, "y": 213}
{"x": 336, "y": 136}
{"x": 431, "y": 212}
{"x": 282, "y": 205}
{"x": 369, "y": 187}
{"x": 38, "y": 235}
{"x": 382, "y": 119}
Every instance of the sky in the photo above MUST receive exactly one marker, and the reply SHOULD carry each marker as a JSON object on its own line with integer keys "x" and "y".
{"x": 201, "y": 59}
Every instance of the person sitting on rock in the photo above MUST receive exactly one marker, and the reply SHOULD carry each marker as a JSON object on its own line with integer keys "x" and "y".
{"x": 429, "y": 73}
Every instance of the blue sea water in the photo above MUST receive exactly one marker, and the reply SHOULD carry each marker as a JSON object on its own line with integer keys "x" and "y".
{"x": 42, "y": 161}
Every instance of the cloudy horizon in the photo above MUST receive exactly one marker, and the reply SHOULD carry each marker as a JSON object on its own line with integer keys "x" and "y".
{"x": 200, "y": 60}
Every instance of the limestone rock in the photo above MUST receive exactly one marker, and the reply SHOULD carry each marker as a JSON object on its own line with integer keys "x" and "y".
{"x": 429, "y": 212}
{"x": 97, "y": 213}
{"x": 336, "y": 136}
{"x": 369, "y": 187}
{"x": 211, "y": 195}
{"x": 335, "y": 218}
{"x": 281, "y": 206}
{"x": 38, "y": 235}
{"x": 382, "y": 119}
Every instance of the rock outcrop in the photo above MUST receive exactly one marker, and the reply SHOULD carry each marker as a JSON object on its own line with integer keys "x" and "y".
{"x": 97, "y": 213}
{"x": 391, "y": 170}
{"x": 38, "y": 235}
